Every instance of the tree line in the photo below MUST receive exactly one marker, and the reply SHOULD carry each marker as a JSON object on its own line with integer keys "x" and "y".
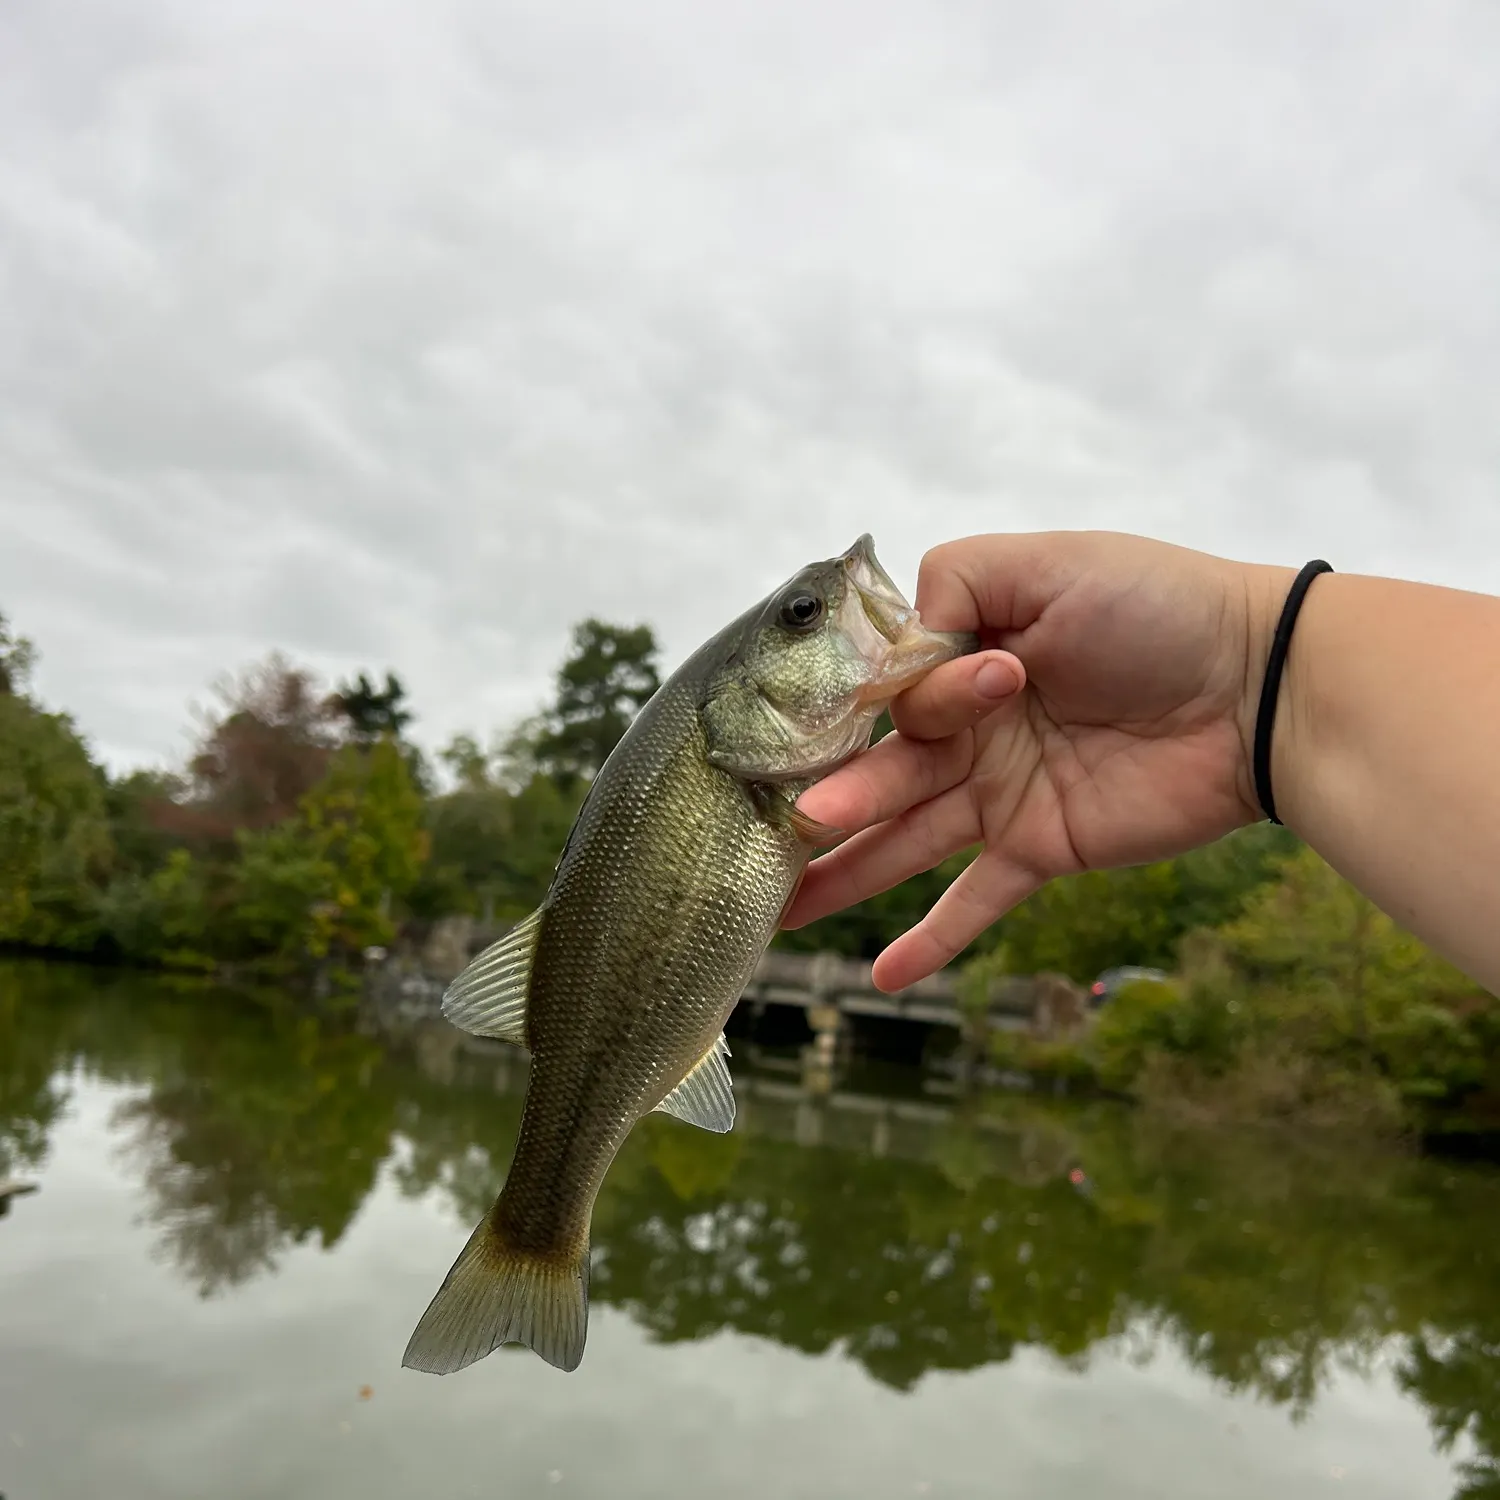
{"x": 305, "y": 827}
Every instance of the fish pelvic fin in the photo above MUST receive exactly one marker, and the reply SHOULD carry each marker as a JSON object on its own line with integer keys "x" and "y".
{"x": 706, "y": 1096}
{"x": 496, "y": 1295}
{"x": 489, "y": 997}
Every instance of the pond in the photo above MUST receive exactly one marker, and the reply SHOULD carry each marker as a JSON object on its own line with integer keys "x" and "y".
{"x": 241, "y": 1215}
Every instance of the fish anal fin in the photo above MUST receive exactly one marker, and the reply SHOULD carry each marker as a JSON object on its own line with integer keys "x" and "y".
{"x": 489, "y": 997}
{"x": 706, "y": 1096}
{"x": 494, "y": 1295}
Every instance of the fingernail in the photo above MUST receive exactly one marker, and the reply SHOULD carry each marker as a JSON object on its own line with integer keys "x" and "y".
{"x": 995, "y": 679}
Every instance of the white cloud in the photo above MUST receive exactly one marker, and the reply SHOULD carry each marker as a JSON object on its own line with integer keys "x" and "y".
{"x": 408, "y": 336}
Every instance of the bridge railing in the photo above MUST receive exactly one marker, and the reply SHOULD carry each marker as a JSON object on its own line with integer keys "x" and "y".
{"x": 809, "y": 980}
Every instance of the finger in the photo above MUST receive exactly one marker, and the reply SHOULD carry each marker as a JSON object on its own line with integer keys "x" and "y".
{"x": 957, "y": 695}
{"x": 883, "y": 857}
{"x": 989, "y": 888}
{"x": 892, "y": 775}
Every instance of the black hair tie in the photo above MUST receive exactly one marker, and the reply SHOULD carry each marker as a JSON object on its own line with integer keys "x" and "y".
{"x": 1270, "y": 691}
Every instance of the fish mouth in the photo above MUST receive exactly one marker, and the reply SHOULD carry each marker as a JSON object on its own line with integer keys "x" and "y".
{"x": 881, "y": 600}
{"x": 911, "y": 649}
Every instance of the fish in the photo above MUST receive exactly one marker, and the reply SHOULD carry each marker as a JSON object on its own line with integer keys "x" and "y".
{"x": 679, "y": 867}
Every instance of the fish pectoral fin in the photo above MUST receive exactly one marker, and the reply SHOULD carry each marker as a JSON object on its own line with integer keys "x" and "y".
{"x": 489, "y": 997}
{"x": 810, "y": 831}
{"x": 706, "y": 1096}
{"x": 777, "y": 807}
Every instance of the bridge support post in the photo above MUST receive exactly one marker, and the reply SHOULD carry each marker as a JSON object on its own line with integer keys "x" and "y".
{"x": 821, "y": 1058}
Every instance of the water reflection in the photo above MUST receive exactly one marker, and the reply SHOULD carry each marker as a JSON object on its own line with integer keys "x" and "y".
{"x": 911, "y": 1238}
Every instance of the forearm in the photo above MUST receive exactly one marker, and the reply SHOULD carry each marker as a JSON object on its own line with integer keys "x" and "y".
{"x": 1386, "y": 754}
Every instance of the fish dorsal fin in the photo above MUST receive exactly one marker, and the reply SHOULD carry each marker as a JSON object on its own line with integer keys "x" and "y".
{"x": 489, "y": 997}
{"x": 706, "y": 1096}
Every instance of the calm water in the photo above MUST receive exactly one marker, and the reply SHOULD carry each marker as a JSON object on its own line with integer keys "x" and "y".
{"x": 240, "y": 1219}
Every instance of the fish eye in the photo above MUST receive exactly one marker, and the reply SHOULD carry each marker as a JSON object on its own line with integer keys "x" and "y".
{"x": 801, "y": 611}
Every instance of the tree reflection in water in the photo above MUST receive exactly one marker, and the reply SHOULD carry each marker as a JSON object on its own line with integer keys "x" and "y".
{"x": 1268, "y": 1265}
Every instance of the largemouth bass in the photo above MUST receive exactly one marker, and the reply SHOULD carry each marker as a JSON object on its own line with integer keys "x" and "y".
{"x": 673, "y": 880}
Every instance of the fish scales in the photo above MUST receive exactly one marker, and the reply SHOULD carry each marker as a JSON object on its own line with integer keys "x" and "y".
{"x": 664, "y": 902}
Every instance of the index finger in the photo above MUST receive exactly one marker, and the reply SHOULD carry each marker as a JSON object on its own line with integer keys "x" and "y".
{"x": 892, "y": 775}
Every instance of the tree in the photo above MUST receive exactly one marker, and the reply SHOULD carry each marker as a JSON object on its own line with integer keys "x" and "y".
{"x": 164, "y": 916}
{"x": 54, "y": 835}
{"x": 497, "y": 835}
{"x": 603, "y": 684}
{"x": 372, "y": 713}
{"x": 254, "y": 764}
{"x": 1216, "y": 880}
{"x": 17, "y": 658}
{"x": 322, "y": 885}
{"x": 1082, "y": 924}
{"x": 468, "y": 830}
{"x": 467, "y": 763}
{"x": 139, "y": 806}
{"x": 1312, "y": 930}
{"x": 1338, "y": 975}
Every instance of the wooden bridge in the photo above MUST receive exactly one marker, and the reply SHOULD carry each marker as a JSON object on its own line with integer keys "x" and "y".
{"x": 824, "y": 981}
{"x": 828, "y": 989}
{"x": 835, "y": 996}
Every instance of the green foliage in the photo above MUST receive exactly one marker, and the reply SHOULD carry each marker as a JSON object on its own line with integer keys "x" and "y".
{"x": 471, "y": 833}
{"x": 323, "y": 884}
{"x": 54, "y": 833}
{"x": 1314, "y": 931}
{"x": 495, "y": 838}
{"x": 467, "y": 763}
{"x": 1332, "y": 969}
{"x": 139, "y": 806}
{"x": 372, "y": 714}
{"x": 164, "y": 917}
{"x": 1142, "y": 1016}
{"x": 977, "y": 977}
{"x": 1083, "y": 924}
{"x": 1311, "y": 1006}
{"x": 603, "y": 684}
{"x": 1056, "y": 1061}
{"x": 1214, "y": 882}
{"x": 17, "y": 660}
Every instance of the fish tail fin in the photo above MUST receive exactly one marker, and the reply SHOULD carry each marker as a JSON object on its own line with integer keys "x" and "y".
{"x": 497, "y": 1295}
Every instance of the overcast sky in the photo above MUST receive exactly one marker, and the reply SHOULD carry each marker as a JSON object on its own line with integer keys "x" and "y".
{"x": 407, "y": 335}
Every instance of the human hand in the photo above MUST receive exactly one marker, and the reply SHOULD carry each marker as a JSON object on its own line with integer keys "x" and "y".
{"x": 1106, "y": 722}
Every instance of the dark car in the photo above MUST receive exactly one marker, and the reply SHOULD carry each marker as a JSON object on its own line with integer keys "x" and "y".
{"x": 1111, "y": 981}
